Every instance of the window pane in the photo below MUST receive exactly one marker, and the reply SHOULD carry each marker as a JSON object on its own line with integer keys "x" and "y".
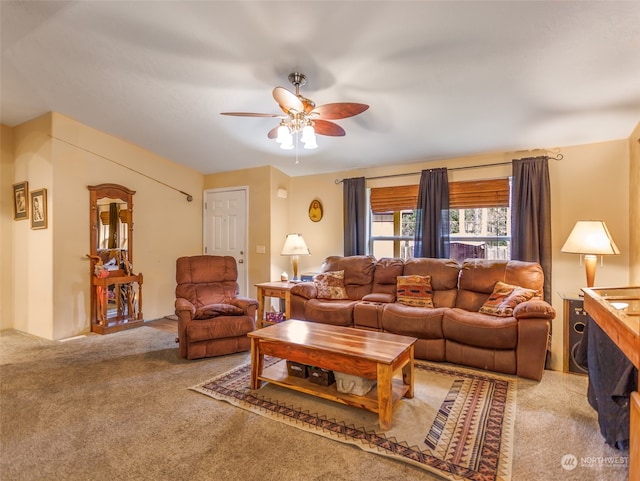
{"x": 480, "y": 233}
{"x": 408, "y": 223}
{"x": 382, "y": 248}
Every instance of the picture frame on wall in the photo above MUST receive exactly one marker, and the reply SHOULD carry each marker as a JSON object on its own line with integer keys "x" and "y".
{"x": 39, "y": 209}
{"x": 21, "y": 201}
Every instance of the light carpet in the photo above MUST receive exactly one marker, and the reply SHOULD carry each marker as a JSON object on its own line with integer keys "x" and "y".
{"x": 459, "y": 424}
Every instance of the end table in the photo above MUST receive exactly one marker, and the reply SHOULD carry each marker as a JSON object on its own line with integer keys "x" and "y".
{"x": 277, "y": 289}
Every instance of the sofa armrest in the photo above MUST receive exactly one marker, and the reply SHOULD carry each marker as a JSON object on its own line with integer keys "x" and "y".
{"x": 183, "y": 306}
{"x": 379, "y": 297}
{"x": 307, "y": 290}
{"x": 534, "y": 309}
{"x": 533, "y": 344}
{"x": 248, "y": 304}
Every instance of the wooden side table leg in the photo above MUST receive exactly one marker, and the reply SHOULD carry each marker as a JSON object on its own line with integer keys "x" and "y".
{"x": 287, "y": 305}
{"x": 385, "y": 404}
{"x": 260, "y": 322}
{"x": 408, "y": 375}
{"x": 257, "y": 363}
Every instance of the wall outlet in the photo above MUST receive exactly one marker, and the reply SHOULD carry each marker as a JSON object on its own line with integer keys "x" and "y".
{"x": 260, "y": 250}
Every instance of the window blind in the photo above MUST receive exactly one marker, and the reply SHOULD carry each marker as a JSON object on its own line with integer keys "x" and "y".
{"x": 390, "y": 199}
{"x": 480, "y": 193}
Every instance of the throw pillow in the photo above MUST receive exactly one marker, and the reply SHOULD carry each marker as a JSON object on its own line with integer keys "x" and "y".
{"x": 215, "y": 310}
{"x": 330, "y": 285}
{"x": 414, "y": 291}
{"x": 504, "y": 298}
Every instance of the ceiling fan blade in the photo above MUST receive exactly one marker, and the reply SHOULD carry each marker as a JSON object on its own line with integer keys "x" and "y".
{"x": 340, "y": 110}
{"x": 324, "y": 127}
{"x": 249, "y": 114}
{"x": 287, "y": 100}
{"x": 273, "y": 133}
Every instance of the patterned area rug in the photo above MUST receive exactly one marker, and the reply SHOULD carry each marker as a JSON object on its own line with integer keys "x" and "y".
{"x": 459, "y": 424}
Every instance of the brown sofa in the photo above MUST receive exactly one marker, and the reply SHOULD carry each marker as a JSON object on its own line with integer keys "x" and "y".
{"x": 213, "y": 319}
{"x": 453, "y": 330}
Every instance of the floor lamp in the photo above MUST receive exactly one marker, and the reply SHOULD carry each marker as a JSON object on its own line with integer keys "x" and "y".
{"x": 295, "y": 247}
{"x": 590, "y": 238}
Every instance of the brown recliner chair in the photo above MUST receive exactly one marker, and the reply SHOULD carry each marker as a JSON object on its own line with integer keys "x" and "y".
{"x": 212, "y": 319}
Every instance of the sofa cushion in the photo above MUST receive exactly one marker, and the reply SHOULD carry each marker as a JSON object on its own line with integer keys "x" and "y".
{"x": 414, "y": 291}
{"x": 482, "y": 330}
{"x": 444, "y": 277}
{"x": 215, "y": 310}
{"x": 504, "y": 298}
{"x": 219, "y": 328}
{"x": 380, "y": 297}
{"x": 479, "y": 276}
{"x": 385, "y": 274}
{"x": 420, "y": 322}
{"x": 335, "y": 312}
{"x": 358, "y": 273}
{"x": 330, "y": 285}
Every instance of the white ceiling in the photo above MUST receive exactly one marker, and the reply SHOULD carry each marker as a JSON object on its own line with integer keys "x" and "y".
{"x": 443, "y": 79}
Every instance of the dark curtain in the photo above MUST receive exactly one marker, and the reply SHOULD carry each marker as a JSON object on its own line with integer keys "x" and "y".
{"x": 113, "y": 226}
{"x": 531, "y": 215}
{"x": 432, "y": 215}
{"x": 355, "y": 216}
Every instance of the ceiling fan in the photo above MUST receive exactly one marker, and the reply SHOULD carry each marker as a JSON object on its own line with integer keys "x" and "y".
{"x": 302, "y": 118}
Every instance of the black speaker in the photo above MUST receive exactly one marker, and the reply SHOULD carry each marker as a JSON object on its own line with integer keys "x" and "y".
{"x": 577, "y": 320}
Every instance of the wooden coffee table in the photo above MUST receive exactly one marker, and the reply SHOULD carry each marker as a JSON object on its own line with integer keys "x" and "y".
{"x": 368, "y": 354}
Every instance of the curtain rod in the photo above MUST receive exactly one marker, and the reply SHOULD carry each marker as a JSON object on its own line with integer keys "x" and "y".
{"x": 189, "y": 196}
{"x": 339, "y": 181}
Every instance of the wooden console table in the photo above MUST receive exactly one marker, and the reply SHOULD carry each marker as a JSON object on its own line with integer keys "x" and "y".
{"x": 128, "y": 311}
{"x": 621, "y": 322}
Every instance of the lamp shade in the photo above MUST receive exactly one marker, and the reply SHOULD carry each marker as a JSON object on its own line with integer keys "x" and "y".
{"x": 294, "y": 245}
{"x": 590, "y": 237}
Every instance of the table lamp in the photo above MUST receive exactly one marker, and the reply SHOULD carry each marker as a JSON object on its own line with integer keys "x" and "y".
{"x": 295, "y": 247}
{"x": 590, "y": 238}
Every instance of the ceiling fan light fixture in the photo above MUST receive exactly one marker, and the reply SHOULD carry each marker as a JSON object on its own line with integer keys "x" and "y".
{"x": 311, "y": 144}
{"x": 308, "y": 134}
{"x": 284, "y": 133}
{"x": 287, "y": 144}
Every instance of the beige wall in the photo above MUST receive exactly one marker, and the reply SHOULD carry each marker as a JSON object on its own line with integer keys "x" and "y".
{"x": 634, "y": 207}
{"x": 6, "y": 227}
{"x": 51, "y": 273}
{"x": 33, "y": 275}
{"x": 589, "y": 183}
{"x": 48, "y": 274}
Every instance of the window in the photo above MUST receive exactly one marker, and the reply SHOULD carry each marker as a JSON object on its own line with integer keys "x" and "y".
{"x": 392, "y": 234}
{"x": 480, "y": 220}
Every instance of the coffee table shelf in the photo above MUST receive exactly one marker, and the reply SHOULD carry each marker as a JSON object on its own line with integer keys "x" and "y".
{"x": 277, "y": 374}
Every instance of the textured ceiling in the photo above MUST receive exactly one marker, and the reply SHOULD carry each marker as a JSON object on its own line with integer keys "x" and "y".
{"x": 443, "y": 79}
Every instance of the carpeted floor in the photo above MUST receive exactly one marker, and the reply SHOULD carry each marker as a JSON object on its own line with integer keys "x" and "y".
{"x": 118, "y": 407}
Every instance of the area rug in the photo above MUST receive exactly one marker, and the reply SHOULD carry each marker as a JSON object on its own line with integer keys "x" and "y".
{"x": 459, "y": 424}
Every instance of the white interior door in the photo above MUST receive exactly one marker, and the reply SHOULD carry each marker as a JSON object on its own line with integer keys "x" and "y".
{"x": 225, "y": 227}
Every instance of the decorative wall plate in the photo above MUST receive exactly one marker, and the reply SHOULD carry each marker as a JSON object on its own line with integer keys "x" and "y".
{"x": 315, "y": 210}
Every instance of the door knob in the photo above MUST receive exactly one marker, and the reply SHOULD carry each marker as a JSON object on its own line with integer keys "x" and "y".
{"x": 241, "y": 261}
